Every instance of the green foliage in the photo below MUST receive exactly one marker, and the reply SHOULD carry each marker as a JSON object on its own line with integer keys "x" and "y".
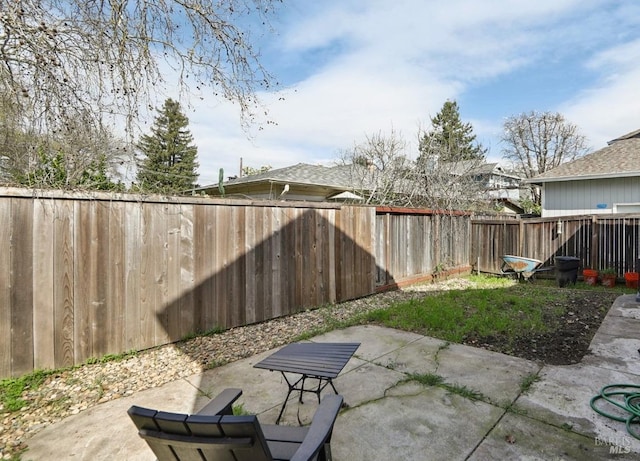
{"x": 430, "y": 379}
{"x": 53, "y": 170}
{"x": 211, "y": 332}
{"x": 528, "y": 381}
{"x": 426, "y": 379}
{"x": 449, "y": 139}
{"x": 11, "y": 390}
{"x": 530, "y": 207}
{"x": 459, "y": 315}
{"x": 239, "y": 410}
{"x": 111, "y": 357}
{"x": 169, "y": 158}
{"x": 249, "y": 171}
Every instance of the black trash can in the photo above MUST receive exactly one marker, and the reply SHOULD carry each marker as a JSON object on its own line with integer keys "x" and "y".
{"x": 566, "y": 270}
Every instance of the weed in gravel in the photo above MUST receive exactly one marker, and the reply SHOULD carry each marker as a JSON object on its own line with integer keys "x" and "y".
{"x": 111, "y": 357}
{"x": 11, "y": 390}
{"x": 212, "y": 331}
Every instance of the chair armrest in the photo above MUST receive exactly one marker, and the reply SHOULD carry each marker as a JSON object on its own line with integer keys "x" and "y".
{"x": 321, "y": 428}
{"x": 222, "y": 403}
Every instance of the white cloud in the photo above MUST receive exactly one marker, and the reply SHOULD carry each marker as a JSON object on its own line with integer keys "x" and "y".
{"x": 361, "y": 67}
{"x": 611, "y": 108}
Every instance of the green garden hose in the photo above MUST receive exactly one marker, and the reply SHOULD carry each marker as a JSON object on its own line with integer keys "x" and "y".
{"x": 625, "y": 397}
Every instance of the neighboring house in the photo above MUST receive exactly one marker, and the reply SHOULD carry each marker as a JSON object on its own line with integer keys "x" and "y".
{"x": 313, "y": 183}
{"x": 494, "y": 182}
{"x": 354, "y": 184}
{"x": 603, "y": 182}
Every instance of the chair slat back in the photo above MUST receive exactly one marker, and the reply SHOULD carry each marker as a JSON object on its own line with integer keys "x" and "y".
{"x": 179, "y": 437}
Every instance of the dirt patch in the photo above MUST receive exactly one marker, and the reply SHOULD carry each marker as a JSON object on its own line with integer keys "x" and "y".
{"x": 570, "y": 335}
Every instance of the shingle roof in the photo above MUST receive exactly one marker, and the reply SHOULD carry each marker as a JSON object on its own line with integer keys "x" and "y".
{"x": 633, "y": 134}
{"x": 302, "y": 173}
{"x": 620, "y": 158}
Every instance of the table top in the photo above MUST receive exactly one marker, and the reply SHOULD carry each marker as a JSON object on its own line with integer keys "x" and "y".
{"x": 323, "y": 360}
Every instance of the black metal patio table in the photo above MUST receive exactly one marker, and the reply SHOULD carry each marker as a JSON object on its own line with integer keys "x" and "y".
{"x": 320, "y": 361}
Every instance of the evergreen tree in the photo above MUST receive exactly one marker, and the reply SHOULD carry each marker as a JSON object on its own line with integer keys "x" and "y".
{"x": 450, "y": 140}
{"x": 169, "y": 164}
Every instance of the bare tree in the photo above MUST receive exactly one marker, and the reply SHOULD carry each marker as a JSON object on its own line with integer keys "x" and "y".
{"x": 536, "y": 142}
{"x": 65, "y": 60}
{"x": 380, "y": 170}
{"x": 448, "y": 184}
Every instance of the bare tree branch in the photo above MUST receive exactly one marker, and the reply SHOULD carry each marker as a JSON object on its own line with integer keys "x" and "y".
{"x": 71, "y": 59}
{"x": 537, "y": 142}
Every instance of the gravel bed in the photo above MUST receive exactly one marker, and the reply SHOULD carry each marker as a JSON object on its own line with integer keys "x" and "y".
{"x": 72, "y": 391}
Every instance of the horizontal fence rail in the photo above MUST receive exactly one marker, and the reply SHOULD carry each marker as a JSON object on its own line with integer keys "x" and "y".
{"x": 85, "y": 275}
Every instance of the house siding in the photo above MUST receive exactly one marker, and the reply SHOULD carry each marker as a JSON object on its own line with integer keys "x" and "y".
{"x": 595, "y": 196}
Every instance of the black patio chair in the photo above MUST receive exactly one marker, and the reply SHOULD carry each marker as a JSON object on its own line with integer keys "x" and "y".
{"x": 214, "y": 434}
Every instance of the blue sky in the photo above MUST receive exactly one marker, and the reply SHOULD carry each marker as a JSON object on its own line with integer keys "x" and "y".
{"x": 348, "y": 69}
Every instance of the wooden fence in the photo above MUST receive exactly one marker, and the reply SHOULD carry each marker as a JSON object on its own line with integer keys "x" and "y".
{"x": 599, "y": 241}
{"x": 411, "y": 243}
{"x": 84, "y": 275}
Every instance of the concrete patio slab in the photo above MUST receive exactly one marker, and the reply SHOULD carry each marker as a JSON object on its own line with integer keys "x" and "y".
{"x": 389, "y": 416}
{"x": 415, "y": 423}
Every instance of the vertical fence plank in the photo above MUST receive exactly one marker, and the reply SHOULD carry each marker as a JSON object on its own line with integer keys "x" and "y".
{"x": 43, "y": 288}
{"x": 64, "y": 283}
{"x": 147, "y": 318}
{"x": 223, "y": 252}
{"x": 160, "y": 225}
{"x": 85, "y": 277}
{"x": 251, "y": 273}
{"x": 238, "y": 267}
{"x": 6, "y": 288}
{"x": 99, "y": 255}
{"x": 266, "y": 249}
{"x": 187, "y": 270}
{"x": 21, "y": 285}
{"x": 116, "y": 279}
{"x": 277, "y": 261}
{"x": 171, "y": 306}
{"x": 131, "y": 228}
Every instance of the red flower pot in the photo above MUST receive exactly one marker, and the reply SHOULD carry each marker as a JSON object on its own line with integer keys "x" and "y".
{"x": 631, "y": 279}
{"x": 590, "y": 276}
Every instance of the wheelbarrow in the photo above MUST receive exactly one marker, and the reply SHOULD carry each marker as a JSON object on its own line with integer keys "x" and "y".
{"x": 521, "y": 267}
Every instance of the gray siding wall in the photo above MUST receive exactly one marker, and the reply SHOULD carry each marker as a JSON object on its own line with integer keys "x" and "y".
{"x": 595, "y": 196}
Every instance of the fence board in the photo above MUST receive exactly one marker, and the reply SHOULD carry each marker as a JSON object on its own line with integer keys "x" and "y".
{"x": 85, "y": 278}
{"x": 172, "y": 314}
{"x": 64, "y": 284}
{"x": 270, "y": 251}
{"x": 131, "y": 229}
{"x": 116, "y": 286}
{"x": 147, "y": 277}
{"x": 21, "y": 303}
{"x": 6, "y": 280}
{"x": 223, "y": 250}
{"x": 43, "y": 271}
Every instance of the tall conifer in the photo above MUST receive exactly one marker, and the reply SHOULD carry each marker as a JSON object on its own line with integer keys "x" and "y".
{"x": 169, "y": 161}
{"x": 449, "y": 139}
